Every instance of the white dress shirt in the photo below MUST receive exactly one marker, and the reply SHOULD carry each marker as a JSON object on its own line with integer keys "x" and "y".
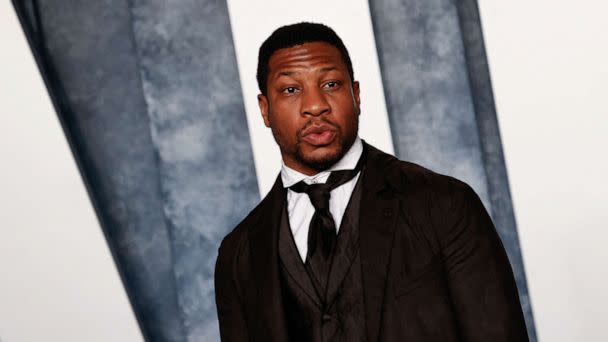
{"x": 299, "y": 207}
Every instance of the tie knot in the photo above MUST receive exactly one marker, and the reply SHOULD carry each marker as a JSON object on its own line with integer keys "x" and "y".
{"x": 319, "y": 195}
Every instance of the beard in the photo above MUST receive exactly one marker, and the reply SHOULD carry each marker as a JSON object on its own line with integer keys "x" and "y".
{"x": 325, "y": 161}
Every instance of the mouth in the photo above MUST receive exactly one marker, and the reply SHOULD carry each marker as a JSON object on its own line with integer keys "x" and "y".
{"x": 319, "y": 135}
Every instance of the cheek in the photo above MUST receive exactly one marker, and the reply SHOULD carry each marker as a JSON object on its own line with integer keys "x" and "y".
{"x": 343, "y": 100}
{"x": 345, "y": 110}
{"x": 284, "y": 125}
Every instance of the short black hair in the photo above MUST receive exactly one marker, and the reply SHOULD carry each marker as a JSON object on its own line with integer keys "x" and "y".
{"x": 297, "y": 34}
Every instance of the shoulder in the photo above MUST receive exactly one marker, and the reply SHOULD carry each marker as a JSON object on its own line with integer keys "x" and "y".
{"x": 412, "y": 179}
{"x": 422, "y": 181}
{"x": 234, "y": 247}
{"x": 234, "y": 240}
{"x": 429, "y": 199}
{"x": 440, "y": 207}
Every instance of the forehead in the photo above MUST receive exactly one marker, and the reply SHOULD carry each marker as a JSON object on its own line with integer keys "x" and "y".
{"x": 307, "y": 55}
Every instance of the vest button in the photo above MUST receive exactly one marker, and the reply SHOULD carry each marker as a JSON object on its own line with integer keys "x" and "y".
{"x": 326, "y": 318}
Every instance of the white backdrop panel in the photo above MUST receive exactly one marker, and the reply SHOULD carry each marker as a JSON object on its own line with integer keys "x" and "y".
{"x": 549, "y": 72}
{"x": 58, "y": 279}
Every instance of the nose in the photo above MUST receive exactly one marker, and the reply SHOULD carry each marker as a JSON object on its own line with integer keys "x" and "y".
{"x": 314, "y": 102}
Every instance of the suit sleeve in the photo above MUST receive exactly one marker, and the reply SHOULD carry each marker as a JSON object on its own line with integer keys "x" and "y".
{"x": 480, "y": 279}
{"x": 229, "y": 307}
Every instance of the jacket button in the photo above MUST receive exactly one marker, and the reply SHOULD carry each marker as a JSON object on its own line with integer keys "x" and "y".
{"x": 326, "y": 318}
{"x": 387, "y": 213}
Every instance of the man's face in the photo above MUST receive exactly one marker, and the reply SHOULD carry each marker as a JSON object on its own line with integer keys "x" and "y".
{"x": 311, "y": 106}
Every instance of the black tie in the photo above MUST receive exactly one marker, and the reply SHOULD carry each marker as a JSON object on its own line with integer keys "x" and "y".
{"x": 322, "y": 230}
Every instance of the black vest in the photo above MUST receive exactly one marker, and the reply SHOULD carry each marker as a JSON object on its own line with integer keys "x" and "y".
{"x": 343, "y": 318}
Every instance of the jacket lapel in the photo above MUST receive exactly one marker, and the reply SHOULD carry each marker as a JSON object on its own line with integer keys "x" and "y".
{"x": 267, "y": 317}
{"x": 347, "y": 245}
{"x": 378, "y": 216}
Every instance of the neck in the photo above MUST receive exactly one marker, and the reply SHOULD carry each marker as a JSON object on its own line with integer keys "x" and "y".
{"x": 305, "y": 169}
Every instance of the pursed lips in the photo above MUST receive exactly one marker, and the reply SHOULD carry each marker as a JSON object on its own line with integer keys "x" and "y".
{"x": 319, "y": 135}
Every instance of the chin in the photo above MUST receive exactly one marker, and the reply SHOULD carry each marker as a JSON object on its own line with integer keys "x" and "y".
{"x": 321, "y": 158}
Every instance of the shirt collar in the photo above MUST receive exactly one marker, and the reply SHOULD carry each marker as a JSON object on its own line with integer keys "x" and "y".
{"x": 290, "y": 176}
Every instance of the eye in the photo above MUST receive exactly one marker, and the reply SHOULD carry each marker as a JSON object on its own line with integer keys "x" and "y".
{"x": 290, "y": 90}
{"x": 330, "y": 84}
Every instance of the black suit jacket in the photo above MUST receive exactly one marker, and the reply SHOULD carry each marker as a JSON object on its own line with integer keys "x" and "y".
{"x": 433, "y": 266}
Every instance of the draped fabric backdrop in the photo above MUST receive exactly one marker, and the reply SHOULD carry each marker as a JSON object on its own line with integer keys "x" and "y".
{"x": 149, "y": 95}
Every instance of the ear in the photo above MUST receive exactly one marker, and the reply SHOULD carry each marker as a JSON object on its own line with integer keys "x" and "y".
{"x": 356, "y": 95}
{"x": 264, "y": 106}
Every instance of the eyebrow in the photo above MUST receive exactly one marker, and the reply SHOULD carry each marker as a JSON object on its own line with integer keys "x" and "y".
{"x": 326, "y": 69}
{"x": 286, "y": 73}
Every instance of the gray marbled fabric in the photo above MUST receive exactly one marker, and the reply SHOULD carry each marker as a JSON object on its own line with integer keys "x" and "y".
{"x": 426, "y": 86}
{"x": 199, "y": 130}
{"x": 441, "y": 106}
{"x": 149, "y": 96}
{"x": 90, "y": 65}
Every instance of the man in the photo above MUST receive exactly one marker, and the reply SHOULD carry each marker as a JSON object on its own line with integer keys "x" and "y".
{"x": 352, "y": 244}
